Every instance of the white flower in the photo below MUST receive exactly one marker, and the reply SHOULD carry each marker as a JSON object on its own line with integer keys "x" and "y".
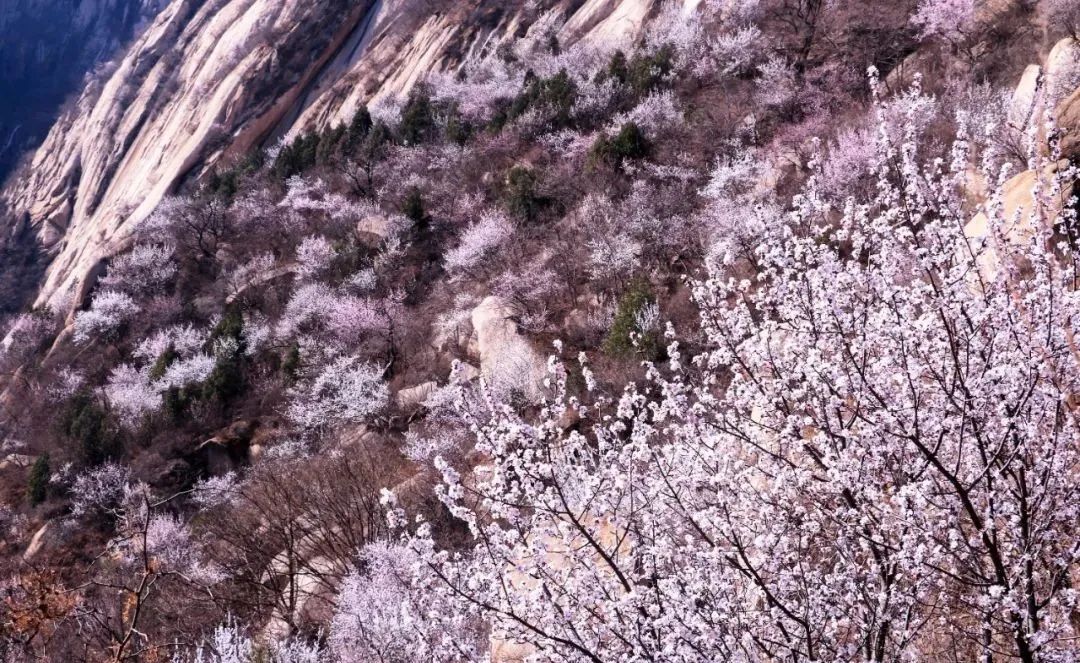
{"x": 108, "y": 311}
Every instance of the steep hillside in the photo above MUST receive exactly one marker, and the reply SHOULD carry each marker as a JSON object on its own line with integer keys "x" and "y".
{"x": 211, "y": 81}
{"x": 573, "y": 331}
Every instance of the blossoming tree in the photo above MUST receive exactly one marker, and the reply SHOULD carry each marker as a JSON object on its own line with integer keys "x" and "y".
{"x": 873, "y": 459}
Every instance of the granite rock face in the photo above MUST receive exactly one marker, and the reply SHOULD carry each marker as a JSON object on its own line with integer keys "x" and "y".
{"x": 210, "y": 80}
{"x": 46, "y": 49}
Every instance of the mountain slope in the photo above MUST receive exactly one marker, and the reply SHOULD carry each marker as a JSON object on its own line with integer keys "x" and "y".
{"x": 210, "y": 81}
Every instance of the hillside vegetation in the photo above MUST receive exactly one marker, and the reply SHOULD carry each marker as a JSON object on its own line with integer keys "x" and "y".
{"x": 749, "y": 337}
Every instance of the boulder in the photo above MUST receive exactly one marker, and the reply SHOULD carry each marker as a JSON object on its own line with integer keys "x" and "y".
{"x": 229, "y": 448}
{"x": 1018, "y": 204}
{"x": 1053, "y": 85}
{"x": 413, "y": 491}
{"x": 1025, "y": 97}
{"x": 508, "y": 363}
{"x": 1068, "y": 122}
{"x": 1062, "y": 69}
{"x": 261, "y": 279}
{"x": 311, "y": 580}
{"x": 414, "y": 397}
{"x": 46, "y": 537}
{"x": 374, "y": 228}
{"x": 463, "y": 373}
{"x": 1062, "y": 82}
{"x": 16, "y": 460}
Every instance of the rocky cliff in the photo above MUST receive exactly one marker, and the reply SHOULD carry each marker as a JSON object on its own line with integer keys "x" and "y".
{"x": 210, "y": 80}
{"x": 46, "y": 49}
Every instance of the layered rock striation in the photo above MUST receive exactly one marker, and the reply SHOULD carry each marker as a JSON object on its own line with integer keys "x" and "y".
{"x": 210, "y": 80}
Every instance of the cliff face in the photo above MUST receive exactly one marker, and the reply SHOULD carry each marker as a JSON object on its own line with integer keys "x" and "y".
{"x": 46, "y": 47}
{"x": 214, "y": 78}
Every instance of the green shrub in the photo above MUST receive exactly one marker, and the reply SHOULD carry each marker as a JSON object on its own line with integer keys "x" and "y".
{"x": 290, "y": 364}
{"x": 413, "y": 206}
{"x": 629, "y": 143}
{"x": 86, "y": 424}
{"x": 500, "y": 115}
{"x": 620, "y": 338}
{"x": 37, "y": 485}
{"x": 553, "y": 45}
{"x": 602, "y": 153}
{"x": 648, "y": 72}
{"x": 359, "y": 128}
{"x": 372, "y": 147}
{"x": 458, "y": 129}
{"x": 643, "y": 74}
{"x": 225, "y": 184}
{"x": 175, "y": 402}
{"x": 556, "y": 94}
{"x": 331, "y": 144}
{"x": 231, "y": 326}
{"x": 519, "y": 192}
{"x": 617, "y": 69}
{"x": 162, "y": 363}
{"x": 226, "y": 381}
{"x": 417, "y": 118}
{"x": 297, "y": 157}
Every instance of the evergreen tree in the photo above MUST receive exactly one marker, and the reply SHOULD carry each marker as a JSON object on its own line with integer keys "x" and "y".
{"x": 37, "y": 486}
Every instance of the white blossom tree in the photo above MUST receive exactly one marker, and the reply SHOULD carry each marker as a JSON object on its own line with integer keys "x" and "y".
{"x": 482, "y": 237}
{"x": 955, "y": 21}
{"x": 873, "y": 459}
{"x": 314, "y": 256}
{"x": 345, "y": 391}
{"x": 145, "y": 269}
{"x": 108, "y": 311}
{"x": 382, "y": 617}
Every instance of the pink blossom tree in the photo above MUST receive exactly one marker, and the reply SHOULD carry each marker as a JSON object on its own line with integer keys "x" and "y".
{"x": 952, "y": 20}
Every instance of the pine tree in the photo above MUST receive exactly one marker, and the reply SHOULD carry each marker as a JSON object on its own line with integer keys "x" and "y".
{"x": 37, "y": 486}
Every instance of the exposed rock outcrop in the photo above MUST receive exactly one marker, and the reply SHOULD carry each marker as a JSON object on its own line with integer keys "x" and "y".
{"x": 1054, "y": 85}
{"x": 211, "y": 80}
{"x": 205, "y": 80}
{"x": 46, "y": 537}
{"x": 1025, "y": 96}
{"x": 234, "y": 445}
{"x": 1062, "y": 69}
{"x": 46, "y": 47}
{"x": 1068, "y": 122}
{"x": 1019, "y": 205}
{"x": 508, "y": 362}
{"x": 413, "y": 397}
